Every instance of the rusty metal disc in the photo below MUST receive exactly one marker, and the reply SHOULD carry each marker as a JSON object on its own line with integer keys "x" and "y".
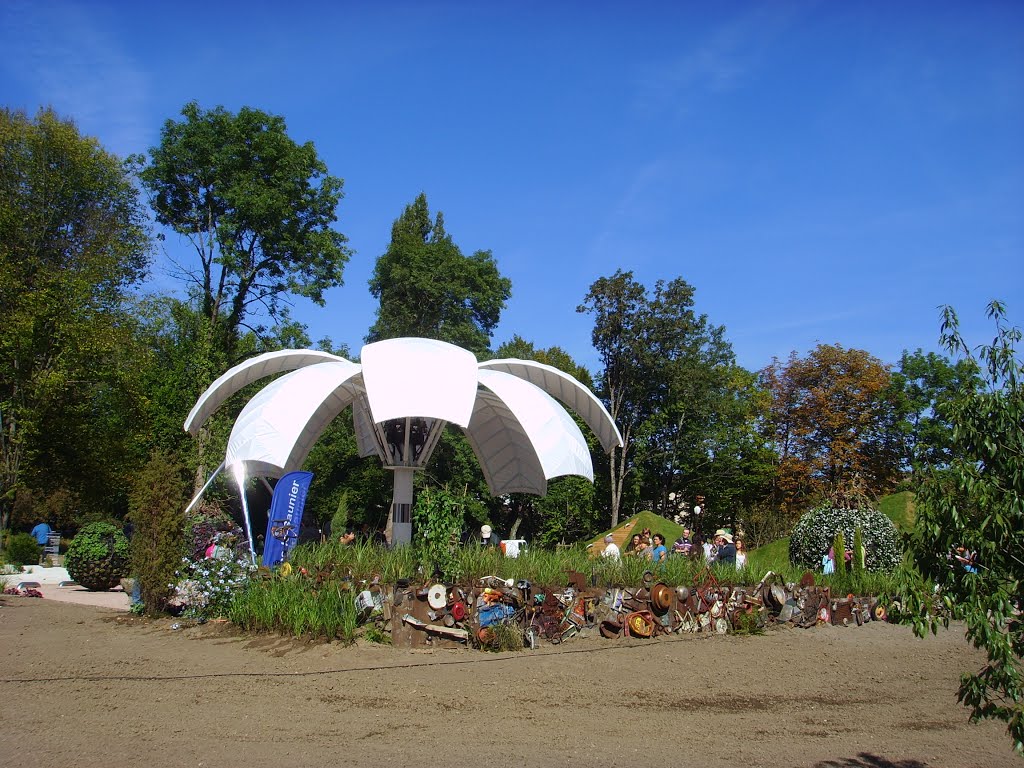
{"x": 661, "y": 598}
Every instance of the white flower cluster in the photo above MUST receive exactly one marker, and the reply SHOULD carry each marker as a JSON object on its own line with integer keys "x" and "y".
{"x": 816, "y": 530}
{"x": 206, "y": 587}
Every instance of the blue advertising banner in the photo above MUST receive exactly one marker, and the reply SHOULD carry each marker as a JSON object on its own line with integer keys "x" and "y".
{"x": 285, "y": 516}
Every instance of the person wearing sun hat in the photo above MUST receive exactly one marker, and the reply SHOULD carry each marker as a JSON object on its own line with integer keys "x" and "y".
{"x": 726, "y": 548}
{"x": 487, "y": 536}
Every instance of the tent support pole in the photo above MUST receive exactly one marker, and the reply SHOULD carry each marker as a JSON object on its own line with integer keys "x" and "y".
{"x": 202, "y": 490}
{"x": 245, "y": 514}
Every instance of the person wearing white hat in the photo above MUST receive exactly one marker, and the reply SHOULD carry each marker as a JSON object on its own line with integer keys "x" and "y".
{"x": 726, "y": 548}
{"x": 487, "y": 536}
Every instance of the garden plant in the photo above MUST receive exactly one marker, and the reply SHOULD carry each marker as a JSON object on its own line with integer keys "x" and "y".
{"x": 98, "y": 557}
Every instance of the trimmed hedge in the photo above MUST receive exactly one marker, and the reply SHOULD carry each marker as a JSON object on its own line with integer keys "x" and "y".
{"x": 817, "y": 529}
{"x": 98, "y": 557}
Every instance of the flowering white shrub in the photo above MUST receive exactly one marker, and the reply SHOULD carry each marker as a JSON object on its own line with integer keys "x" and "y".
{"x": 206, "y": 587}
{"x": 816, "y": 530}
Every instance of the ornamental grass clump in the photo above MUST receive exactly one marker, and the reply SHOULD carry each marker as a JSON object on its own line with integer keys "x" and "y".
{"x": 816, "y": 532}
{"x": 298, "y": 606}
{"x": 98, "y": 557}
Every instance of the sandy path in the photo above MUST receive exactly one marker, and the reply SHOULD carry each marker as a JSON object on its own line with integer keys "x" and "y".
{"x": 91, "y": 687}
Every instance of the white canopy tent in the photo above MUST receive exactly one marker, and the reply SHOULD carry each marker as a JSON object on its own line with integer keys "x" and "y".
{"x": 402, "y": 395}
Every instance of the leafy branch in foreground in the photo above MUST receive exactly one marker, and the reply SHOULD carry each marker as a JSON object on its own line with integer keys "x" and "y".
{"x": 969, "y": 537}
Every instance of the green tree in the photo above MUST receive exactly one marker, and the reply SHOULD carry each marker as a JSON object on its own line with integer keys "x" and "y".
{"x": 73, "y": 242}
{"x": 977, "y": 503}
{"x": 667, "y": 372}
{"x": 256, "y": 207}
{"x": 924, "y": 386}
{"x": 429, "y": 289}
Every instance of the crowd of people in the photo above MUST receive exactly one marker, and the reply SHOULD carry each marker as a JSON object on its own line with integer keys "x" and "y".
{"x": 722, "y": 547}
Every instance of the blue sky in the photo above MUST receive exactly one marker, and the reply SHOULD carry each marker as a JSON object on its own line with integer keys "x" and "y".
{"x": 819, "y": 172}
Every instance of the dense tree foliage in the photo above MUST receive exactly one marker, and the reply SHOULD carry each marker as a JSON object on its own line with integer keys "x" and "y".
{"x": 972, "y": 507}
{"x": 924, "y": 386}
{"x": 832, "y": 422}
{"x": 428, "y": 288}
{"x": 73, "y": 241}
{"x": 257, "y": 209}
{"x": 671, "y": 384}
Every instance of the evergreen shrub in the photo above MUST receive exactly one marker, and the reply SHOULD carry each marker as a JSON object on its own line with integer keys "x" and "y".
{"x": 22, "y": 549}
{"x": 156, "y": 510}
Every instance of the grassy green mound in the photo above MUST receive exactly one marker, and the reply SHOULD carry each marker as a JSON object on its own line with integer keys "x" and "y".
{"x": 770, "y": 557}
{"x": 899, "y": 507}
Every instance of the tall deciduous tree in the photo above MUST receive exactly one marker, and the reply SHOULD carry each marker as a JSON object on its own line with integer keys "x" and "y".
{"x": 257, "y": 209}
{"x": 832, "y": 421}
{"x": 73, "y": 241}
{"x": 977, "y": 504}
{"x": 428, "y": 288}
{"x": 662, "y": 364}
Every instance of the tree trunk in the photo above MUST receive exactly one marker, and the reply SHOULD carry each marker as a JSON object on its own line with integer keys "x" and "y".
{"x": 515, "y": 526}
{"x": 615, "y": 473}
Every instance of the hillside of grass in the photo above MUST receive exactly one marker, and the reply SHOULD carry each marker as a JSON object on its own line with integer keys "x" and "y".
{"x": 899, "y": 507}
{"x": 770, "y": 557}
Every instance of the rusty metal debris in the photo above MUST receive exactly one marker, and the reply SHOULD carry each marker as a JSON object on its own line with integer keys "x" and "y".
{"x": 493, "y": 608}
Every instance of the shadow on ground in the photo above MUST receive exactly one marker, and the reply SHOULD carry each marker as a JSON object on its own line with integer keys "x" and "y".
{"x": 867, "y": 760}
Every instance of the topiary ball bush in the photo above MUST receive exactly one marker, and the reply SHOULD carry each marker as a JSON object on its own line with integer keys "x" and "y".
{"x": 98, "y": 557}
{"x": 814, "y": 533}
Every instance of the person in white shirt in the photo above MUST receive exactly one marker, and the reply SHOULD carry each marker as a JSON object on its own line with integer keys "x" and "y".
{"x": 741, "y": 554}
{"x": 611, "y": 549}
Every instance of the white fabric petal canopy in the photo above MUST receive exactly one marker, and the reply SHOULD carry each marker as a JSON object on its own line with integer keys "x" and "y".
{"x": 278, "y": 427}
{"x": 564, "y": 387}
{"x": 520, "y": 434}
{"x": 419, "y": 377}
{"x": 245, "y": 373}
{"x": 523, "y": 438}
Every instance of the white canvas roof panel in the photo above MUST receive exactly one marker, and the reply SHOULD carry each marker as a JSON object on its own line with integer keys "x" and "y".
{"x": 419, "y": 377}
{"x": 246, "y": 373}
{"x": 278, "y": 427}
{"x": 566, "y": 388}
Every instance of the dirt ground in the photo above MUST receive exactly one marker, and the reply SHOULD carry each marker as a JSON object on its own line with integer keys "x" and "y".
{"x": 86, "y": 686}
